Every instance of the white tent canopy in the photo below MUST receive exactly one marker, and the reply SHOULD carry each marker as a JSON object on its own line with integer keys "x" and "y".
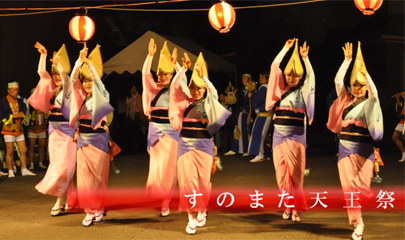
{"x": 132, "y": 58}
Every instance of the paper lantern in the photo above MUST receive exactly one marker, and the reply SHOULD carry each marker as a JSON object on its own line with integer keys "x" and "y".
{"x": 222, "y": 17}
{"x": 368, "y": 7}
{"x": 81, "y": 28}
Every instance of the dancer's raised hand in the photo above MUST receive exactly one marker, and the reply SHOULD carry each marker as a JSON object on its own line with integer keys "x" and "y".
{"x": 200, "y": 70}
{"x": 55, "y": 59}
{"x": 304, "y": 50}
{"x": 41, "y": 49}
{"x": 348, "y": 50}
{"x": 186, "y": 61}
{"x": 152, "y": 47}
{"x": 174, "y": 56}
{"x": 290, "y": 42}
{"x": 83, "y": 53}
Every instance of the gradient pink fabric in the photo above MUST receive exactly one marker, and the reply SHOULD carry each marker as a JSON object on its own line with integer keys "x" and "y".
{"x": 162, "y": 177}
{"x": 276, "y": 86}
{"x": 93, "y": 166}
{"x": 179, "y": 101}
{"x": 151, "y": 89}
{"x": 45, "y": 89}
{"x": 78, "y": 97}
{"x": 356, "y": 174}
{"x": 194, "y": 171}
{"x": 289, "y": 162}
{"x": 335, "y": 121}
{"x": 62, "y": 165}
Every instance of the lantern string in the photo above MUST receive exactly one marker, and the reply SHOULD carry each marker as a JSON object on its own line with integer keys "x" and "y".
{"x": 59, "y": 9}
{"x": 32, "y": 13}
{"x": 280, "y": 4}
{"x": 207, "y": 9}
{"x": 113, "y": 7}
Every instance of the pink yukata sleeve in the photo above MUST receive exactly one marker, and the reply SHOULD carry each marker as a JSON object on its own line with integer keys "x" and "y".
{"x": 150, "y": 87}
{"x": 45, "y": 89}
{"x": 308, "y": 90}
{"x": 78, "y": 94}
{"x": 335, "y": 120}
{"x": 179, "y": 101}
{"x": 101, "y": 99}
{"x": 373, "y": 112}
{"x": 216, "y": 113}
{"x": 276, "y": 85}
{"x": 336, "y": 111}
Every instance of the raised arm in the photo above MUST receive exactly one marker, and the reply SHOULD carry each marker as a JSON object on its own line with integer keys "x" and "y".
{"x": 288, "y": 44}
{"x": 176, "y": 85}
{"x": 372, "y": 90}
{"x": 174, "y": 60}
{"x": 147, "y": 79}
{"x": 216, "y": 113}
{"x": 42, "y": 60}
{"x": 56, "y": 63}
{"x": 177, "y": 66}
{"x": 276, "y": 79}
{"x": 78, "y": 92}
{"x": 210, "y": 87}
{"x": 308, "y": 89}
{"x": 149, "y": 85}
{"x": 46, "y": 87}
{"x": 178, "y": 99}
{"x": 339, "y": 79}
{"x": 74, "y": 76}
{"x": 98, "y": 84}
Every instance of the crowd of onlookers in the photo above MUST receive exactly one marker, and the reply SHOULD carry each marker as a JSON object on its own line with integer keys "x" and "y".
{"x": 32, "y": 126}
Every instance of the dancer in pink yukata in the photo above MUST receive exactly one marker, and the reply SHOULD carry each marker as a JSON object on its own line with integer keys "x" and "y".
{"x": 294, "y": 102}
{"x": 197, "y": 118}
{"x": 162, "y": 138}
{"x": 48, "y": 97}
{"x": 359, "y": 121}
{"x": 90, "y": 103}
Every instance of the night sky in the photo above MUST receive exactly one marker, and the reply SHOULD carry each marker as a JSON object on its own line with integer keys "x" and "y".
{"x": 253, "y": 42}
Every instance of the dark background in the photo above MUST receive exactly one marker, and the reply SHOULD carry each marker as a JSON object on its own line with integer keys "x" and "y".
{"x": 253, "y": 42}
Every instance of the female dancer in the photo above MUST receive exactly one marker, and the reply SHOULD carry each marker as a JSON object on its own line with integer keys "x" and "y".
{"x": 197, "y": 118}
{"x": 162, "y": 138}
{"x": 292, "y": 100}
{"x": 48, "y": 97}
{"x": 91, "y": 104}
{"x": 359, "y": 120}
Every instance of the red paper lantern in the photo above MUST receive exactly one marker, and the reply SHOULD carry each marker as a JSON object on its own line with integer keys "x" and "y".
{"x": 81, "y": 28}
{"x": 222, "y": 17}
{"x": 368, "y": 7}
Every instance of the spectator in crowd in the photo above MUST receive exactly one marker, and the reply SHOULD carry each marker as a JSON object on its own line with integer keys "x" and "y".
{"x": 37, "y": 129}
{"x": 259, "y": 146}
{"x": 12, "y": 114}
{"x": 240, "y": 140}
{"x": 399, "y": 129}
{"x": 136, "y": 132}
